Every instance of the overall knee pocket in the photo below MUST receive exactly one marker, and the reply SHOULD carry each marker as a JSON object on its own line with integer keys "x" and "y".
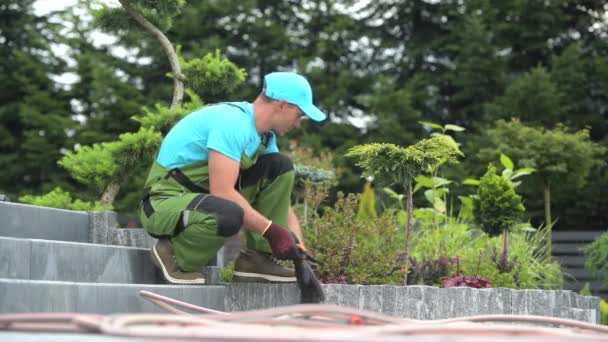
{"x": 228, "y": 214}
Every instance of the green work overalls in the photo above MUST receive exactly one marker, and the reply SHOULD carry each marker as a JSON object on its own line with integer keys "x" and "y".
{"x": 177, "y": 204}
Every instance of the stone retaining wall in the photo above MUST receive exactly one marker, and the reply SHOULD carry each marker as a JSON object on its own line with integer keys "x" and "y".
{"x": 424, "y": 302}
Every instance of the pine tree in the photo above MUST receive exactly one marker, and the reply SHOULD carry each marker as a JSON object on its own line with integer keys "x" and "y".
{"x": 34, "y": 111}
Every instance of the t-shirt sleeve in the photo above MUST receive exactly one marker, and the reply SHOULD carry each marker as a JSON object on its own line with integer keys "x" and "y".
{"x": 227, "y": 140}
{"x": 272, "y": 146}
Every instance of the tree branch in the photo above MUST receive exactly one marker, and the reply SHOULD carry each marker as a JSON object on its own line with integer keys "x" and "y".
{"x": 167, "y": 47}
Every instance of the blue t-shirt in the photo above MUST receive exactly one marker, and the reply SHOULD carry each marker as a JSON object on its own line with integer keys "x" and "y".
{"x": 223, "y": 128}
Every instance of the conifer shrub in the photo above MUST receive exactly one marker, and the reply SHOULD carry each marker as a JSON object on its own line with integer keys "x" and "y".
{"x": 61, "y": 199}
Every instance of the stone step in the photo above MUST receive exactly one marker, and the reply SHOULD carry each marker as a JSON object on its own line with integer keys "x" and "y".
{"x": 29, "y": 221}
{"x": 19, "y": 296}
{"x": 417, "y": 302}
{"x": 80, "y": 262}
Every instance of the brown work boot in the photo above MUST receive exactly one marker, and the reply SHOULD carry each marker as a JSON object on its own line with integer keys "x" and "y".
{"x": 252, "y": 266}
{"x": 163, "y": 258}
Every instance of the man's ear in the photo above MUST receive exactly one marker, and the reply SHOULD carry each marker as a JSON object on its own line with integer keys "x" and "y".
{"x": 282, "y": 103}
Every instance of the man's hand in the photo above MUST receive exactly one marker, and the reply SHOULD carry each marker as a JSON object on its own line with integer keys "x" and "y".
{"x": 281, "y": 242}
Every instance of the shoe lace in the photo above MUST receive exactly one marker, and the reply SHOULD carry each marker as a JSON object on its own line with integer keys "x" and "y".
{"x": 274, "y": 260}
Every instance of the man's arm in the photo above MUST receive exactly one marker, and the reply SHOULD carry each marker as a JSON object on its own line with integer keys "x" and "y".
{"x": 223, "y": 175}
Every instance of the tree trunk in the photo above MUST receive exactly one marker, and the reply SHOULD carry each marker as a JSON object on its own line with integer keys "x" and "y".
{"x": 408, "y": 229}
{"x": 548, "y": 220}
{"x": 109, "y": 194}
{"x": 167, "y": 47}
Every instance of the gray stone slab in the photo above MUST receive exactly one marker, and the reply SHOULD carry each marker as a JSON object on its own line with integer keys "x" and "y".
{"x": 592, "y": 303}
{"x": 20, "y": 296}
{"x": 342, "y": 295}
{"x": 541, "y": 302}
{"x": 33, "y": 222}
{"x": 456, "y": 302}
{"x": 438, "y": 303}
{"x": 389, "y": 300}
{"x": 100, "y": 223}
{"x": 103, "y": 229}
{"x": 494, "y": 301}
{"x": 579, "y": 314}
{"x": 52, "y": 296}
{"x": 254, "y": 296}
{"x": 288, "y": 294}
{"x": 71, "y": 261}
{"x": 134, "y": 237}
{"x": 117, "y": 298}
{"x": 14, "y": 258}
{"x": 211, "y": 297}
{"x": 412, "y": 303}
{"x": 370, "y": 298}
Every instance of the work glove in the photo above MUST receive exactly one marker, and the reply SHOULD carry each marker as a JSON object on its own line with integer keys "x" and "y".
{"x": 281, "y": 243}
{"x": 314, "y": 263}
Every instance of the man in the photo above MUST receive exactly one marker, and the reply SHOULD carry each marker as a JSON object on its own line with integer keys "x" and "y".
{"x": 218, "y": 169}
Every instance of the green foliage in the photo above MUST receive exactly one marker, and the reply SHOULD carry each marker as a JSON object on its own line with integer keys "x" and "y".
{"x": 392, "y": 164}
{"x": 227, "y": 272}
{"x": 596, "y": 256}
{"x": 213, "y": 75}
{"x": 447, "y": 240}
{"x": 586, "y": 290}
{"x": 134, "y": 149}
{"x": 59, "y": 198}
{"x": 34, "y": 111}
{"x": 302, "y": 155}
{"x": 477, "y": 254}
{"x": 603, "y": 312}
{"x": 90, "y": 164}
{"x": 509, "y": 172}
{"x": 533, "y": 268}
{"x": 160, "y": 13}
{"x": 497, "y": 207}
{"x": 560, "y": 157}
{"x": 367, "y": 205}
{"x": 533, "y": 97}
{"x": 359, "y": 251}
{"x": 101, "y": 163}
{"x": 162, "y": 118}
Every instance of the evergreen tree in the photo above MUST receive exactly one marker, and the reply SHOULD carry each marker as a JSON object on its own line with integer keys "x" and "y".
{"x": 533, "y": 98}
{"x": 34, "y": 111}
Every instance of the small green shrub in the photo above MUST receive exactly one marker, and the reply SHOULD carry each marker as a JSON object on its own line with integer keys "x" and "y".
{"x": 497, "y": 206}
{"x": 63, "y": 200}
{"x": 533, "y": 268}
{"x": 367, "y": 205}
{"x": 212, "y": 75}
{"x": 603, "y": 312}
{"x": 352, "y": 250}
{"x": 227, "y": 272}
{"x": 596, "y": 256}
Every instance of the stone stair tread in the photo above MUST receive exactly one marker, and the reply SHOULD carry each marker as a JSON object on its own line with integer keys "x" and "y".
{"x": 18, "y": 295}
{"x": 29, "y": 221}
{"x": 38, "y": 259}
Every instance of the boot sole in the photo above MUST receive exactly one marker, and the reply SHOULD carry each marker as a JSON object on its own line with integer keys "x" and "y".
{"x": 249, "y": 277}
{"x": 157, "y": 261}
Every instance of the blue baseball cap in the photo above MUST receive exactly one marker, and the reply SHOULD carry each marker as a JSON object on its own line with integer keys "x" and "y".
{"x": 295, "y": 89}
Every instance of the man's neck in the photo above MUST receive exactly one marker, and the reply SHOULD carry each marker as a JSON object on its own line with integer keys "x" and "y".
{"x": 261, "y": 117}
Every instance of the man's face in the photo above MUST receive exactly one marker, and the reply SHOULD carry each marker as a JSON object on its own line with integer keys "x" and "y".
{"x": 289, "y": 116}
